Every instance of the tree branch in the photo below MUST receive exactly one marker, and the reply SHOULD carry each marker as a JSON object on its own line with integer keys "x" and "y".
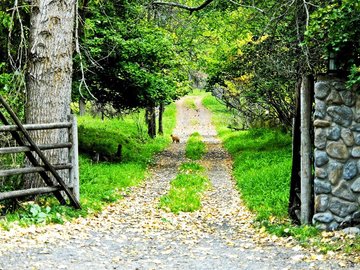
{"x": 191, "y": 9}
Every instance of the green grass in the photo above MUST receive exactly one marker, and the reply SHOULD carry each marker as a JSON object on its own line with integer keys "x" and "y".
{"x": 189, "y": 103}
{"x": 130, "y": 131}
{"x": 198, "y": 92}
{"x": 195, "y": 147}
{"x": 262, "y": 167}
{"x": 186, "y": 189}
{"x": 104, "y": 182}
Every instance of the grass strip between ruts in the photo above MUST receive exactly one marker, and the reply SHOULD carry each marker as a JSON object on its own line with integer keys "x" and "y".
{"x": 186, "y": 189}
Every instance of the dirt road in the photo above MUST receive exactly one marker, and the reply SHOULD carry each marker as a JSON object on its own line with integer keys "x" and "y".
{"x": 135, "y": 234}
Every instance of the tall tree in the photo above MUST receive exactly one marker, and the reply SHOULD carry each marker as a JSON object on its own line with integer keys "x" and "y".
{"x": 49, "y": 74}
{"x": 131, "y": 61}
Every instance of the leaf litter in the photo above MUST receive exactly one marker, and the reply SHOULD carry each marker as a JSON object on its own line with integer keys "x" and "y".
{"x": 135, "y": 233}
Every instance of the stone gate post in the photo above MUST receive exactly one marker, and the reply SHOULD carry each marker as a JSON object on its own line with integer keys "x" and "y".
{"x": 337, "y": 154}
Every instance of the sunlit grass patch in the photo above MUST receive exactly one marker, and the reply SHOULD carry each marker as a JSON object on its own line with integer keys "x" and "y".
{"x": 186, "y": 189}
{"x": 195, "y": 147}
{"x": 190, "y": 103}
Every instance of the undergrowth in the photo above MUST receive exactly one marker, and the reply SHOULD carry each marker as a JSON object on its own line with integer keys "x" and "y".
{"x": 103, "y": 182}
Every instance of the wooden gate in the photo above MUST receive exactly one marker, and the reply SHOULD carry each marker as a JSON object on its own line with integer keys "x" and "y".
{"x": 27, "y": 146}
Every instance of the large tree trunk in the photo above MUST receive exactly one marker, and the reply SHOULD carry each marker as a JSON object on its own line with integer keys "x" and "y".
{"x": 49, "y": 75}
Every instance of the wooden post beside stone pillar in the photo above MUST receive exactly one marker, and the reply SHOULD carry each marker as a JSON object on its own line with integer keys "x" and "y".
{"x": 306, "y": 150}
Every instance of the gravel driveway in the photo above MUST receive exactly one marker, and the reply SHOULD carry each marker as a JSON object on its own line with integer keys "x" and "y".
{"x": 135, "y": 234}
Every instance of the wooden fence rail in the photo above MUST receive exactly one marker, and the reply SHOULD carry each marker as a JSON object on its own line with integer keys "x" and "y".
{"x": 37, "y": 126}
{"x": 72, "y": 165}
{"x": 22, "y": 149}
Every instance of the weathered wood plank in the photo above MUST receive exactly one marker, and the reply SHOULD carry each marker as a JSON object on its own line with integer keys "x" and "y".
{"x": 27, "y": 136}
{"x": 28, "y": 192}
{"x": 74, "y": 157}
{"x": 30, "y": 155}
{"x": 20, "y": 149}
{"x": 35, "y": 126}
{"x": 9, "y": 172}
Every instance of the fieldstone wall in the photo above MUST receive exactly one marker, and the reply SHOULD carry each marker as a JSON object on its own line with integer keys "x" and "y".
{"x": 337, "y": 154}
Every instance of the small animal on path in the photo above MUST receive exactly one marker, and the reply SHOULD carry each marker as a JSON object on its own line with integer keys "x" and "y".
{"x": 175, "y": 138}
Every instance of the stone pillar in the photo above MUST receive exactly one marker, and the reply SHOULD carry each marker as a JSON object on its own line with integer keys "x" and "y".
{"x": 337, "y": 154}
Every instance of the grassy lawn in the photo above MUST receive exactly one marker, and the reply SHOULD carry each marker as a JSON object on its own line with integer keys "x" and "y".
{"x": 190, "y": 104}
{"x": 103, "y": 182}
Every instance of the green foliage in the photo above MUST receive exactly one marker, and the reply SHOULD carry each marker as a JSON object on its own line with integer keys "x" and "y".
{"x": 335, "y": 27}
{"x": 257, "y": 73}
{"x": 40, "y": 213}
{"x": 137, "y": 64}
{"x": 104, "y": 136}
{"x": 12, "y": 54}
{"x": 186, "y": 189}
{"x": 36, "y": 214}
{"x": 354, "y": 77}
{"x": 195, "y": 147}
{"x": 255, "y": 70}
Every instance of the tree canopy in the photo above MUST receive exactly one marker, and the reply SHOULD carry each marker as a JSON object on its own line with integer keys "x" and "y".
{"x": 256, "y": 51}
{"x": 131, "y": 62}
{"x": 140, "y": 53}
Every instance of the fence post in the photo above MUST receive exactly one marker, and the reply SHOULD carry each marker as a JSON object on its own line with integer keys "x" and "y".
{"x": 306, "y": 150}
{"x": 74, "y": 157}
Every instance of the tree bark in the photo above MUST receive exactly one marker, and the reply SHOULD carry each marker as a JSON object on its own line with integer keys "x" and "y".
{"x": 49, "y": 74}
{"x": 161, "y": 112}
{"x": 150, "y": 117}
{"x": 178, "y": 5}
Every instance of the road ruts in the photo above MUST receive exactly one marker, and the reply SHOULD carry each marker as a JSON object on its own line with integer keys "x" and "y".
{"x": 135, "y": 234}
